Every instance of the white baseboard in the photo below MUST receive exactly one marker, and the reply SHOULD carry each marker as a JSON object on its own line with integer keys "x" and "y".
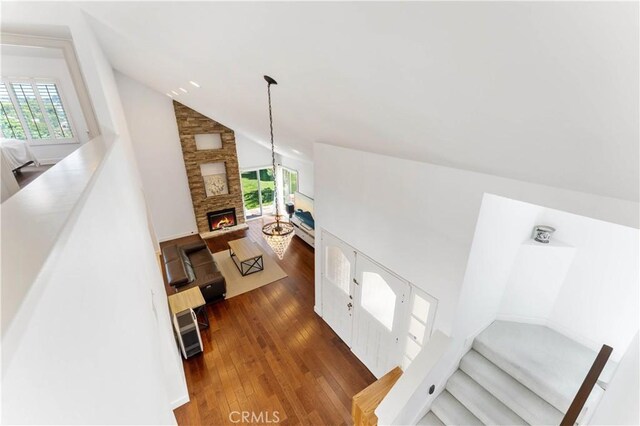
{"x": 174, "y": 237}
{"x": 554, "y": 326}
{"x": 180, "y": 401}
{"x": 522, "y": 319}
{"x": 317, "y": 311}
{"x": 595, "y": 346}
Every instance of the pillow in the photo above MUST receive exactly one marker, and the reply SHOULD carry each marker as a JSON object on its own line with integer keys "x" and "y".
{"x": 187, "y": 266}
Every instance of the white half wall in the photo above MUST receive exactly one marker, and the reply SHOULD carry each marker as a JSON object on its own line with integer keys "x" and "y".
{"x": 56, "y": 69}
{"x": 90, "y": 342}
{"x": 154, "y": 134}
{"x": 418, "y": 219}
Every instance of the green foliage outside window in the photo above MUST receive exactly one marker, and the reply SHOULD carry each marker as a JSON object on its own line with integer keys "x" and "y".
{"x": 38, "y": 106}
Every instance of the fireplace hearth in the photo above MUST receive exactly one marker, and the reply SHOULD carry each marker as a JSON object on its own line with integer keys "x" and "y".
{"x": 221, "y": 219}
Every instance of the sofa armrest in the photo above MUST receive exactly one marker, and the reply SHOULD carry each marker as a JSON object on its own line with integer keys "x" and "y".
{"x": 170, "y": 253}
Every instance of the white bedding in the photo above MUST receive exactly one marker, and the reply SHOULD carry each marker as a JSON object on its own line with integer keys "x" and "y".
{"x": 17, "y": 153}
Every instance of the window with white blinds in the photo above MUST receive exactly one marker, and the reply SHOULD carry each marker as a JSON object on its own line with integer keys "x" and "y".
{"x": 33, "y": 110}
{"x": 9, "y": 120}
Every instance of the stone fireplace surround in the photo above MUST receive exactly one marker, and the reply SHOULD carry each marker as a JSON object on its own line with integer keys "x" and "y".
{"x": 192, "y": 123}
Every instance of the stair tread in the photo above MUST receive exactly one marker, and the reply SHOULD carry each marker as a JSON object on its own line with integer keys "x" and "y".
{"x": 486, "y": 407}
{"x": 521, "y": 400}
{"x": 430, "y": 419}
{"x": 451, "y": 412}
{"x": 548, "y": 363}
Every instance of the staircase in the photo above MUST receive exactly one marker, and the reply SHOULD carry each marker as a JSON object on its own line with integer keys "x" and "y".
{"x": 515, "y": 374}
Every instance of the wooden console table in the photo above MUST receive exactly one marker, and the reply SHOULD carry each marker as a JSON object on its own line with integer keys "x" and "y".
{"x": 193, "y": 299}
{"x": 367, "y": 400}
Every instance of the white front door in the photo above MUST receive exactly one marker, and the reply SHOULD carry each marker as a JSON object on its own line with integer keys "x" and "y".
{"x": 380, "y": 297}
{"x": 338, "y": 268}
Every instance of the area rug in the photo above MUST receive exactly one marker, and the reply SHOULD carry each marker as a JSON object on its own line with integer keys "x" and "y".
{"x": 237, "y": 284}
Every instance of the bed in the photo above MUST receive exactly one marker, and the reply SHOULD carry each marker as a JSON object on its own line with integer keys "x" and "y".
{"x": 17, "y": 153}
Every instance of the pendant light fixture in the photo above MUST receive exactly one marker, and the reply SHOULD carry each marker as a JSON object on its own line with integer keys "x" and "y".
{"x": 278, "y": 234}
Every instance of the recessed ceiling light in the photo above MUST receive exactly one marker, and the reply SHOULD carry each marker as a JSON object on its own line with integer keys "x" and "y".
{"x": 184, "y": 90}
{"x": 193, "y": 83}
{"x": 175, "y": 93}
{"x": 295, "y": 151}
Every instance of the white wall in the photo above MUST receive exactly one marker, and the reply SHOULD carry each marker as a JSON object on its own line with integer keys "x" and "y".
{"x": 251, "y": 155}
{"x": 497, "y": 240}
{"x": 154, "y": 133}
{"x": 90, "y": 342}
{"x": 583, "y": 284}
{"x": 599, "y": 298}
{"x": 419, "y": 219}
{"x": 536, "y": 277}
{"x": 55, "y": 68}
{"x": 305, "y": 174}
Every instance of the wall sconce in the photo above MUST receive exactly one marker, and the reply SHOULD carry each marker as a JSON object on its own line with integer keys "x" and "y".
{"x": 542, "y": 233}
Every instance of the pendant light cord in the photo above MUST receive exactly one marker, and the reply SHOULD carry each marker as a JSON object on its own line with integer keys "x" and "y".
{"x": 273, "y": 159}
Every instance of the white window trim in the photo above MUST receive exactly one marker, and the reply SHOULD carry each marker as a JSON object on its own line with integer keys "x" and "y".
{"x": 68, "y": 49}
{"x": 290, "y": 170}
{"x": 8, "y": 81}
{"x": 257, "y": 170}
{"x": 433, "y": 306}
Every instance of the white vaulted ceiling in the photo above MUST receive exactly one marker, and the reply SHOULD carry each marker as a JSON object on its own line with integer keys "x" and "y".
{"x": 542, "y": 92}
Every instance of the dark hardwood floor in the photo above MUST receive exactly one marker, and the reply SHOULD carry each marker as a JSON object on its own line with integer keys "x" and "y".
{"x": 267, "y": 350}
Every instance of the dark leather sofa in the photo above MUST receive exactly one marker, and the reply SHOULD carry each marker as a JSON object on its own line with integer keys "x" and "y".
{"x": 190, "y": 265}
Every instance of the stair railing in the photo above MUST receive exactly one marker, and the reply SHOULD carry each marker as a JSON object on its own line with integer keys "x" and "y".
{"x": 587, "y": 386}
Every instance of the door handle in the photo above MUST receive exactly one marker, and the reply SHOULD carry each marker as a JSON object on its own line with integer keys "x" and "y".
{"x": 350, "y": 305}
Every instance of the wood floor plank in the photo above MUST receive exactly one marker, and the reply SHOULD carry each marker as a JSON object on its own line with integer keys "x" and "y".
{"x": 267, "y": 350}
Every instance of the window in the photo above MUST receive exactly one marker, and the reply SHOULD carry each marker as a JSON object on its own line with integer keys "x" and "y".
{"x": 257, "y": 190}
{"x": 338, "y": 268}
{"x": 421, "y": 315}
{"x": 377, "y": 298}
{"x": 9, "y": 121}
{"x": 33, "y": 110}
{"x": 289, "y": 183}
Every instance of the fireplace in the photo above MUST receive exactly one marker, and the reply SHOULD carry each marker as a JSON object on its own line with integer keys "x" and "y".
{"x": 221, "y": 219}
